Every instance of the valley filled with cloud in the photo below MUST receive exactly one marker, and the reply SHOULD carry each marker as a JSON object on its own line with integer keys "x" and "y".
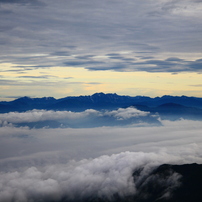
{"x": 80, "y": 163}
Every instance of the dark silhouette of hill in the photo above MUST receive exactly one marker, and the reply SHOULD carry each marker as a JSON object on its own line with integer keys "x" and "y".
{"x": 175, "y": 111}
{"x": 156, "y": 185}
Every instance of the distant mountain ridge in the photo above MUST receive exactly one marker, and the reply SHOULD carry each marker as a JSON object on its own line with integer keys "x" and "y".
{"x": 99, "y": 101}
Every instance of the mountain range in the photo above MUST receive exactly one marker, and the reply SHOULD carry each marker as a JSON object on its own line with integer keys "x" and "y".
{"x": 175, "y": 106}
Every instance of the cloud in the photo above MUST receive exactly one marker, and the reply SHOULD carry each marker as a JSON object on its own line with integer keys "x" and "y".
{"x": 8, "y": 82}
{"x": 122, "y": 114}
{"x": 103, "y": 177}
{"x": 30, "y": 2}
{"x": 43, "y": 115}
{"x": 61, "y": 53}
{"x": 14, "y": 97}
{"x": 35, "y": 82}
{"x": 197, "y": 85}
{"x": 35, "y": 77}
{"x": 34, "y": 146}
{"x": 99, "y": 37}
{"x": 78, "y": 164}
{"x": 122, "y": 63}
{"x": 83, "y": 63}
{"x": 87, "y": 118}
{"x": 94, "y": 83}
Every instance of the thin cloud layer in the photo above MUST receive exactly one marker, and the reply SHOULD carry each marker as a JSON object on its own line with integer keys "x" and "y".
{"x": 103, "y": 35}
{"x": 30, "y": 146}
{"x": 22, "y": 2}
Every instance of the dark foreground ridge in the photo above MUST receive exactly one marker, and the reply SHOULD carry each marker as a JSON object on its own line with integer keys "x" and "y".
{"x": 166, "y": 183}
{"x": 158, "y": 186}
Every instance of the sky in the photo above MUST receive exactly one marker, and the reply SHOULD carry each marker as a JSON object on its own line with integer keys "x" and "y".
{"x": 75, "y": 47}
{"x": 80, "y": 47}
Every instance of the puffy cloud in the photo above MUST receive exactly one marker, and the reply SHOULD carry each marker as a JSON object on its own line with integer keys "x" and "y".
{"x": 43, "y": 115}
{"x": 87, "y": 118}
{"x": 101, "y": 177}
{"x": 127, "y": 113}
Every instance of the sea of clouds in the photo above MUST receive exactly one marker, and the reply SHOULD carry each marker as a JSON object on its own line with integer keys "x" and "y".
{"x": 58, "y": 164}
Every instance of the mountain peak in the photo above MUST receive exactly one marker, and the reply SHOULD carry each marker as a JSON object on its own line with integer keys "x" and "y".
{"x": 99, "y": 94}
{"x": 25, "y": 98}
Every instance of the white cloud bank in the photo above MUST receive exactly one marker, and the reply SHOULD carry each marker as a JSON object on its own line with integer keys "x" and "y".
{"x": 100, "y": 177}
{"x": 93, "y": 142}
{"x": 126, "y": 113}
{"x": 56, "y": 164}
{"x": 89, "y": 117}
{"x": 43, "y": 115}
